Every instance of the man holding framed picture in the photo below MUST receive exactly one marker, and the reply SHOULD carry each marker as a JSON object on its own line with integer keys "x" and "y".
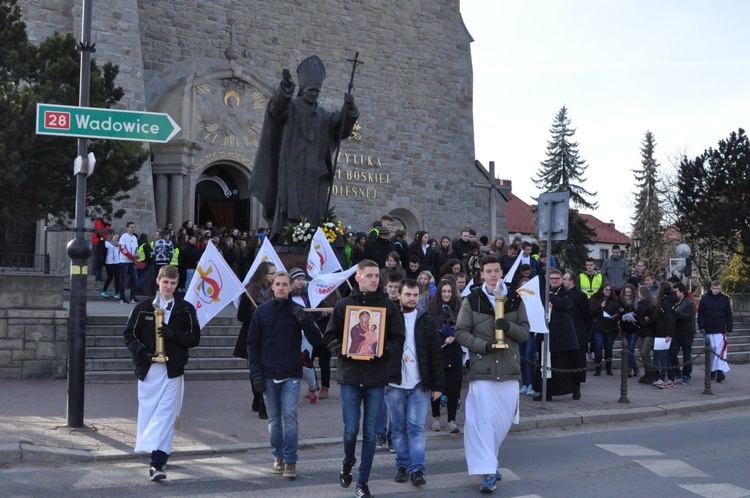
{"x": 363, "y": 377}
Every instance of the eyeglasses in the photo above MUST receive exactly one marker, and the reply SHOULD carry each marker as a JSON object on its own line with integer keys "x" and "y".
{"x": 555, "y": 278}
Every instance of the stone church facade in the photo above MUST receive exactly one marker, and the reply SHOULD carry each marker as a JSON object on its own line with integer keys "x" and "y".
{"x": 212, "y": 66}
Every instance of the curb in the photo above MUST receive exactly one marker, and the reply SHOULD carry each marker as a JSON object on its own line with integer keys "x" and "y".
{"x": 24, "y": 452}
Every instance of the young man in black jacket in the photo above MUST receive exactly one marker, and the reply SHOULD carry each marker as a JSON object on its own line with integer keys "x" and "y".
{"x": 363, "y": 381}
{"x": 274, "y": 344}
{"x": 422, "y": 379}
{"x": 160, "y": 385}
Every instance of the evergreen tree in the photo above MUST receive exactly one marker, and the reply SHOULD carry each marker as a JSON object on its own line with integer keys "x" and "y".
{"x": 648, "y": 217}
{"x": 36, "y": 170}
{"x": 713, "y": 194}
{"x": 563, "y": 171}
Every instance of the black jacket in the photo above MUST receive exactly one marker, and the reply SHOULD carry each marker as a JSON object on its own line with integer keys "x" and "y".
{"x": 645, "y": 315}
{"x": 377, "y": 249}
{"x": 429, "y": 352}
{"x": 274, "y": 341}
{"x": 562, "y": 330}
{"x": 715, "y": 314}
{"x": 684, "y": 313}
{"x": 140, "y": 334}
{"x": 368, "y": 373}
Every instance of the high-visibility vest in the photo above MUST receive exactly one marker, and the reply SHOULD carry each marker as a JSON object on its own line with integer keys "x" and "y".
{"x": 141, "y": 253}
{"x": 175, "y": 257}
{"x": 589, "y": 285}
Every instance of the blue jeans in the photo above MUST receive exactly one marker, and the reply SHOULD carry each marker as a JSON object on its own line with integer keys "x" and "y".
{"x": 603, "y": 341}
{"x": 661, "y": 362}
{"x": 632, "y": 338}
{"x": 281, "y": 404}
{"x": 528, "y": 351}
{"x": 382, "y": 429}
{"x": 125, "y": 270}
{"x": 188, "y": 278}
{"x": 352, "y": 399}
{"x": 408, "y": 409}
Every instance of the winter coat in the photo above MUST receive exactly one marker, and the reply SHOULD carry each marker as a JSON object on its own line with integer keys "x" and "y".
{"x": 140, "y": 334}
{"x": 599, "y": 323}
{"x": 368, "y": 373}
{"x": 475, "y": 328}
{"x": 684, "y": 313}
{"x": 645, "y": 309}
{"x": 615, "y": 272}
{"x": 715, "y": 314}
{"x": 562, "y": 329}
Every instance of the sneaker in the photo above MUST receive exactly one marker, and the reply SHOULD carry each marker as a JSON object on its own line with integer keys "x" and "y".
{"x": 345, "y": 476}
{"x": 659, "y": 383}
{"x": 156, "y": 474}
{"x": 402, "y": 475}
{"x": 323, "y": 393}
{"x": 453, "y": 428}
{"x": 278, "y": 466}
{"x": 363, "y": 491}
{"x": 105, "y": 294}
{"x": 117, "y": 296}
{"x": 530, "y": 391}
{"x": 290, "y": 471}
{"x": 417, "y": 478}
{"x": 436, "y": 425}
{"x": 122, "y": 301}
{"x": 380, "y": 441}
{"x": 498, "y": 476}
{"x": 134, "y": 301}
{"x": 523, "y": 390}
{"x": 685, "y": 381}
{"x": 489, "y": 484}
{"x": 390, "y": 447}
{"x": 669, "y": 383}
{"x": 313, "y": 397}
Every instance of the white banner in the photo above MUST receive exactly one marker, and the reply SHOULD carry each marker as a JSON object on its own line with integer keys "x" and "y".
{"x": 322, "y": 285}
{"x": 214, "y": 285}
{"x": 509, "y": 277}
{"x": 266, "y": 253}
{"x": 321, "y": 258}
{"x": 467, "y": 289}
{"x": 534, "y": 308}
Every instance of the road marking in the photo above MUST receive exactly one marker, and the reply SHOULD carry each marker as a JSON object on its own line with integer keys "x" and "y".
{"x": 671, "y": 468}
{"x": 722, "y": 490}
{"x": 630, "y": 450}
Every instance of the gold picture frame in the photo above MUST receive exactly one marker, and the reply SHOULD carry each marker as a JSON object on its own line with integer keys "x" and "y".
{"x": 364, "y": 332}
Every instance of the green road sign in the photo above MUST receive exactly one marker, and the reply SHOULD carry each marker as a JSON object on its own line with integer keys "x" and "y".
{"x": 113, "y": 124}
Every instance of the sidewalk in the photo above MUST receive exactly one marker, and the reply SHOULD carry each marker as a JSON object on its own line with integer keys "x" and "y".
{"x": 216, "y": 416}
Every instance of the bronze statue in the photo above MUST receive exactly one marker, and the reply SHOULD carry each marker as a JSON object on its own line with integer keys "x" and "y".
{"x": 295, "y": 163}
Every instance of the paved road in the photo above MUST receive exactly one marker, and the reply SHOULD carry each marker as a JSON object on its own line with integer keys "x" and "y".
{"x": 698, "y": 455}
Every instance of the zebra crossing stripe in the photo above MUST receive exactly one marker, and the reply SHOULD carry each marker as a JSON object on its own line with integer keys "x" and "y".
{"x": 671, "y": 468}
{"x": 629, "y": 450}
{"x": 721, "y": 490}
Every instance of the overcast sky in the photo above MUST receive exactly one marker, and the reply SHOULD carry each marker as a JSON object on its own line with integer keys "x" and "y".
{"x": 679, "y": 68}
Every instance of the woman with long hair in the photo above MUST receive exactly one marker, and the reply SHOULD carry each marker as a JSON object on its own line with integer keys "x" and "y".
{"x": 645, "y": 315}
{"x": 604, "y": 307}
{"x": 444, "y": 307}
{"x": 392, "y": 265}
{"x": 358, "y": 251}
{"x": 665, "y": 321}
{"x": 422, "y": 249}
{"x": 426, "y": 283}
{"x": 498, "y": 246}
{"x": 451, "y": 267}
{"x": 259, "y": 289}
{"x": 444, "y": 251}
{"x": 629, "y": 325}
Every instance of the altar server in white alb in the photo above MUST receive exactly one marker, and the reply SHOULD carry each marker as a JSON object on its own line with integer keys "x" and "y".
{"x": 715, "y": 322}
{"x": 160, "y": 385}
{"x": 494, "y": 374}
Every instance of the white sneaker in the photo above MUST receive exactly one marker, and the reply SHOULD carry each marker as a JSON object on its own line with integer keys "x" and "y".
{"x": 530, "y": 392}
{"x": 659, "y": 383}
{"x": 523, "y": 390}
{"x": 436, "y": 425}
{"x": 453, "y": 428}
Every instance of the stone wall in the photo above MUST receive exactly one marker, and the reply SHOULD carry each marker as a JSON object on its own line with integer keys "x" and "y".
{"x": 33, "y": 327}
{"x": 741, "y": 307}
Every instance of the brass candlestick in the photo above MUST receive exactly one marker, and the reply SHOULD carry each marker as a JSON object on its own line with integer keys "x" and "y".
{"x": 499, "y": 313}
{"x": 159, "y": 323}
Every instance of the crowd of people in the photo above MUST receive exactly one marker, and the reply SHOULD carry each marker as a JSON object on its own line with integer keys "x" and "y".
{"x": 403, "y": 336}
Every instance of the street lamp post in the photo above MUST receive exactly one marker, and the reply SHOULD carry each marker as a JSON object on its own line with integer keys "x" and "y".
{"x": 636, "y": 245}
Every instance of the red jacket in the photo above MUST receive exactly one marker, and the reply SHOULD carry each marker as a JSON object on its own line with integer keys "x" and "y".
{"x": 99, "y": 224}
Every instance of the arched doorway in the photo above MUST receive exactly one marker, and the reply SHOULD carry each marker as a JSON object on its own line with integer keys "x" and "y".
{"x": 221, "y": 196}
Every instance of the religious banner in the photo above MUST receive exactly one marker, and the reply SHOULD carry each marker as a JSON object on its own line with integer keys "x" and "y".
{"x": 321, "y": 258}
{"x": 214, "y": 285}
{"x": 529, "y": 292}
{"x": 322, "y": 285}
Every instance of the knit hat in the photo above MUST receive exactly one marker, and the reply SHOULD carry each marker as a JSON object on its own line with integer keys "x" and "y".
{"x": 297, "y": 273}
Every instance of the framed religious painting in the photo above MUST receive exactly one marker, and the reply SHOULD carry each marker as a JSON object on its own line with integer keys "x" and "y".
{"x": 364, "y": 332}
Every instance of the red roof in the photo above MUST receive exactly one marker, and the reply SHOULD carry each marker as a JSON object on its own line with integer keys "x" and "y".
{"x": 520, "y": 219}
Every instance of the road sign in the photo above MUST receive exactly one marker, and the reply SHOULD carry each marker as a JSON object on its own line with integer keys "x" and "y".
{"x": 552, "y": 215}
{"x": 113, "y": 124}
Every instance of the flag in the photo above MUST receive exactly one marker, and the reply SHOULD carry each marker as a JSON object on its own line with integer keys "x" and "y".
{"x": 322, "y": 285}
{"x": 214, "y": 285}
{"x": 509, "y": 277}
{"x": 529, "y": 292}
{"x": 467, "y": 289}
{"x": 321, "y": 259}
{"x": 265, "y": 253}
